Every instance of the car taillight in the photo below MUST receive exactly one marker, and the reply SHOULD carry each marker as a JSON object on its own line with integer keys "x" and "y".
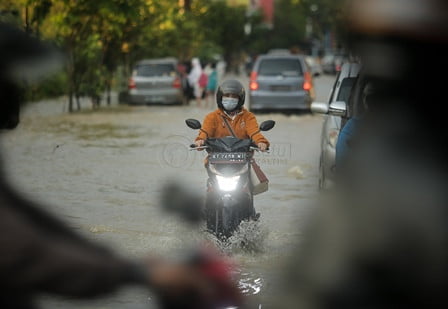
{"x": 307, "y": 84}
{"x": 177, "y": 83}
{"x": 253, "y": 84}
{"x": 131, "y": 84}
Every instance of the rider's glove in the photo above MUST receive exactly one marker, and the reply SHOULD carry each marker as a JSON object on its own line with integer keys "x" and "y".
{"x": 199, "y": 143}
{"x": 262, "y": 146}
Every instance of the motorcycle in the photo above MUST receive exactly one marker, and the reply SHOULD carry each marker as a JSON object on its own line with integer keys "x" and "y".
{"x": 229, "y": 197}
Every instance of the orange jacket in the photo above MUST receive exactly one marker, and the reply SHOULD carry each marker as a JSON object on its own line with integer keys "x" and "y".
{"x": 244, "y": 125}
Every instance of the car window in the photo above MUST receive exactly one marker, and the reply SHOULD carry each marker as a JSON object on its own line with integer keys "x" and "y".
{"x": 285, "y": 67}
{"x": 156, "y": 69}
{"x": 346, "y": 87}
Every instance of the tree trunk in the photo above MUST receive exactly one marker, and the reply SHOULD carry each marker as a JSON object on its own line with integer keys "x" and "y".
{"x": 27, "y": 20}
{"x": 77, "y": 95}
{"x": 71, "y": 77}
{"x": 108, "y": 88}
{"x": 70, "y": 101}
{"x": 78, "y": 104}
{"x": 187, "y": 5}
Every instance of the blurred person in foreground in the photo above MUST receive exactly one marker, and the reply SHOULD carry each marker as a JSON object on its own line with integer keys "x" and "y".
{"x": 380, "y": 240}
{"x": 39, "y": 254}
{"x": 361, "y": 98}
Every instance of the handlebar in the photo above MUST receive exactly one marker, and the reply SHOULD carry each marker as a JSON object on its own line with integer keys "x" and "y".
{"x": 194, "y": 147}
{"x": 257, "y": 149}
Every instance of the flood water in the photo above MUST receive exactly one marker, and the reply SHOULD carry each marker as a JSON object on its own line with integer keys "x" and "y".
{"x": 102, "y": 172}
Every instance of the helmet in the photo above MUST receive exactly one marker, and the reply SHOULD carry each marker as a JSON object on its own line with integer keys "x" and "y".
{"x": 231, "y": 86}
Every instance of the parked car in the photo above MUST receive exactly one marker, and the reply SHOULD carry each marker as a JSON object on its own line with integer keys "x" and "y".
{"x": 155, "y": 81}
{"x": 334, "y": 109}
{"x": 332, "y": 64}
{"x": 277, "y": 51}
{"x": 280, "y": 81}
{"x": 315, "y": 65}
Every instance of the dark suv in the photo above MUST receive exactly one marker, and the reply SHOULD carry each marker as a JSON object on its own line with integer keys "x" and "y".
{"x": 280, "y": 81}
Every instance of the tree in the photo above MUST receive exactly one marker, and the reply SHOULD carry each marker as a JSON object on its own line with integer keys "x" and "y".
{"x": 224, "y": 26}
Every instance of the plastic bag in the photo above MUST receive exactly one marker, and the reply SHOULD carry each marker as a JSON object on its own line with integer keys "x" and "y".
{"x": 260, "y": 182}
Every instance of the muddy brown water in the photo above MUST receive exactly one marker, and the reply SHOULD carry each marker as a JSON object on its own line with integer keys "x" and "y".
{"x": 102, "y": 171}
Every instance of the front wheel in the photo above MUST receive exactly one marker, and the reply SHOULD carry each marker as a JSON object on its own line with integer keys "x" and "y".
{"x": 221, "y": 221}
{"x": 224, "y": 215}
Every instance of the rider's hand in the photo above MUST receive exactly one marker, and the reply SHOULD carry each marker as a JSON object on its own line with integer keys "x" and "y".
{"x": 199, "y": 143}
{"x": 262, "y": 146}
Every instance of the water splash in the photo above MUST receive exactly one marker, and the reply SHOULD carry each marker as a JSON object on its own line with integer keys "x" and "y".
{"x": 248, "y": 238}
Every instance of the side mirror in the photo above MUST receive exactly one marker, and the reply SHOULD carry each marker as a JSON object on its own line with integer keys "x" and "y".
{"x": 319, "y": 107}
{"x": 193, "y": 123}
{"x": 267, "y": 125}
{"x": 338, "y": 108}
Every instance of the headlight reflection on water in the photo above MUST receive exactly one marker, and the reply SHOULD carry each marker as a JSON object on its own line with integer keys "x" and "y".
{"x": 250, "y": 285}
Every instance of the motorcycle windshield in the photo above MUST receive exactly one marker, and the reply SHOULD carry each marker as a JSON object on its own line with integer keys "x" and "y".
{"x": 228, "y": 144}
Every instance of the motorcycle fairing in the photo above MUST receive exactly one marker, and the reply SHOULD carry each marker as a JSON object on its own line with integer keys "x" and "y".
{"x": 228, "y": 144}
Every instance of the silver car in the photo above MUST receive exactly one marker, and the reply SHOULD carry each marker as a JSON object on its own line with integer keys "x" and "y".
{"x": 155, "y": 81}
{"x": 280, "y": 81}
{"x": 333, "y": 110}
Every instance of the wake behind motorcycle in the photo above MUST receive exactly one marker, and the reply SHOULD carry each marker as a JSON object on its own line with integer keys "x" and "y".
{"x": 230, "y": 188}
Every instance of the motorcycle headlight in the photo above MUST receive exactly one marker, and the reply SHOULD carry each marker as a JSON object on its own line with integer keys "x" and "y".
{"x": 227, "y": 183}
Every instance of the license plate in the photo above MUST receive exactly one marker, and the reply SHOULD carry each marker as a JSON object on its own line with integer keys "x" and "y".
{"x": 227, "y": 157}
{"x": 280, "y": 88}
{"x": 153, "y": 99}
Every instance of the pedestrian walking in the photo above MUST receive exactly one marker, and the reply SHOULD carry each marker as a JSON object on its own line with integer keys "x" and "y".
{"x": 212, "y": 85}
{"x": 193, "y": 80}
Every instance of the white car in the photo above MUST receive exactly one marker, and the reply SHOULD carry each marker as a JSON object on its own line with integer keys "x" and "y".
{"x": 333, "y": 110}
{"x": 315, "y": 66}
{"x": 155, "y": 81}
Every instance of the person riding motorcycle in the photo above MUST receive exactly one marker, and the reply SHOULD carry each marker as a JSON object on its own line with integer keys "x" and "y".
{"x": 230, "y": 98}
{"x": 231, "y": 119}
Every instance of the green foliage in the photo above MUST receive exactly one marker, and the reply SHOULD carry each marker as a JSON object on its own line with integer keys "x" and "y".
{"x": 51, "y": 87}
{"x": 289, "y": 25}
{"x": 223, "y": 28}
{"x": 102, "y": 35}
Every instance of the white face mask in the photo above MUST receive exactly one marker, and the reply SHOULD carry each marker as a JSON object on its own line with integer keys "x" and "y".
{"x": 229, "y": 104}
